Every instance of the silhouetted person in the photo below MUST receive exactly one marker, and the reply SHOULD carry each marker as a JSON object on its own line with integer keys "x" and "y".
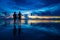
{"x": 19, "y": 23}
{"x": 19, "y": 15}
{"x": 14, "y": 16}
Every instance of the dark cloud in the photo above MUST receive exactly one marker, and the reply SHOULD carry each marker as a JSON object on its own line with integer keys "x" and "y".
{"x": 51, "y": 1}
{"x": 19, "y": 2}
{"x": 9, "y": 5}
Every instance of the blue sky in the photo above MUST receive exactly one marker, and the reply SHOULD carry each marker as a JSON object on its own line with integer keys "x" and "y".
{"x": 19, "y": 5}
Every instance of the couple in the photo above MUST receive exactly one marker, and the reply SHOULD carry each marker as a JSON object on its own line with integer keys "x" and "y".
{"x": 15, "y": 16}
{"x": 19, "y": 23}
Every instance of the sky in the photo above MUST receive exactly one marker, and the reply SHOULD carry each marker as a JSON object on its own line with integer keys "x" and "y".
{"x": 23, "y": 5}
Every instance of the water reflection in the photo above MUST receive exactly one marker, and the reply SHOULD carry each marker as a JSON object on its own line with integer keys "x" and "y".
{"x": 8, "y": 23}
{"x": 14, "y": 30}
{"x": 19, "y": 27}
{"x": 40, "y": 21}
{"x": 34, "y": 29}
{"x": 17, "y": 30}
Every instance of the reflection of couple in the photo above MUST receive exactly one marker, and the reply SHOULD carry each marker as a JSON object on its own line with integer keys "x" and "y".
{"x": 15, "y": 16}
{"x": 19, "y": 23}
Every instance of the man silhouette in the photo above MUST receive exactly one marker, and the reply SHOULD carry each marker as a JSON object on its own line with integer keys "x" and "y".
{"x": 19, "y": 25}
{"x": 19, "y": 15}
{"x": 14, "y": 17}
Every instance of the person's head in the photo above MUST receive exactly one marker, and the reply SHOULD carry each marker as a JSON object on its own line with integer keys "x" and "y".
{"x": 19, "y": 12}
{"x": 14, "y": 12}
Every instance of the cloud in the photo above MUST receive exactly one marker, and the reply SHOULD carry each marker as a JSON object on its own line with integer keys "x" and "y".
{"x": 11, "y": 5}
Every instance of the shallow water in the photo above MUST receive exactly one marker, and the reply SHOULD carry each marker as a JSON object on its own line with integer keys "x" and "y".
{"x": 29, "y": 30}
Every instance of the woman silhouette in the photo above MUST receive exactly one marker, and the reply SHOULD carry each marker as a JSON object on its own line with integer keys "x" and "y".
{"x": 14, "y": 17}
